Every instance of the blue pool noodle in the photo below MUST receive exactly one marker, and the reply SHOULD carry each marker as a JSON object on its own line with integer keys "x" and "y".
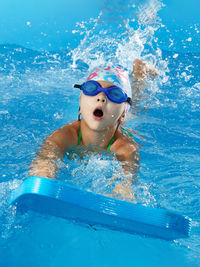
{"x": 60, "y": 199}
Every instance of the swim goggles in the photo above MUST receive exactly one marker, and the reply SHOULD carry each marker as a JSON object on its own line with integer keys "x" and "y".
{"x": 114, "y": 93}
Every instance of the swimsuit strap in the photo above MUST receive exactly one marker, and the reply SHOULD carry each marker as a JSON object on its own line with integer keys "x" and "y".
{"x": 79, "y": 137}
{"x": 79, "y": 140}
{"x": 110, "y": 144}
{"x": 125, "y": 130}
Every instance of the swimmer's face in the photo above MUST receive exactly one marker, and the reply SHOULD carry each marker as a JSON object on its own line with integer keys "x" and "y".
{"x": 98, "y": 111}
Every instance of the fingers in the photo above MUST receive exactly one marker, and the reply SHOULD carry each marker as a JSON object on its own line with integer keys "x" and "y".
{"x": 125, "y": 192}
{"x": 139, "y": 69}
{"x": 142, "y": 70}
{"x": 152, "y": 72}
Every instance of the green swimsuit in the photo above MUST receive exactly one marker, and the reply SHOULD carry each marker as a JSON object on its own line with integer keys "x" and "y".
{"x": 112, "y": 139}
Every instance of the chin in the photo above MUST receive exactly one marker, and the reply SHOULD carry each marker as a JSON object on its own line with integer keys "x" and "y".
{"x": 100, "y": 126}
{"x": 96, "y": 126}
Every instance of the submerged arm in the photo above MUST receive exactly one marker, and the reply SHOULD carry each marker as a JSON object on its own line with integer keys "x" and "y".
{"x": 127, "y": 153}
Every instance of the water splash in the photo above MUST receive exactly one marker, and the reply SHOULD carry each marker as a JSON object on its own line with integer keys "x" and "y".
{"x": 7, "y": 212}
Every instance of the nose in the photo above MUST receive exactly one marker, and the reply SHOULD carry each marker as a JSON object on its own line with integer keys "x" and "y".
{"x": 101, "y": 97}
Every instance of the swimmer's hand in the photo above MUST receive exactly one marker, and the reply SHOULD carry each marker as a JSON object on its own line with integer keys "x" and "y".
{"x": 142, "y": 71}
{"x": 122, "y": 190}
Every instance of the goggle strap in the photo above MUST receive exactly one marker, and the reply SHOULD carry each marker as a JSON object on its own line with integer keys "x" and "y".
{"x": 129, "y": 100}
{"x": 77, "y": 86}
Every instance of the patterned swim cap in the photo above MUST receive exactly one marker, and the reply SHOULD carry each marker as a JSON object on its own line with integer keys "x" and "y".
{"x": 115, "y": 74}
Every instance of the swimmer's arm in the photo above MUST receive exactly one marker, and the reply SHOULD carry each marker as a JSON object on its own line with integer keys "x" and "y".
{"x": 44, "y": 165}
{"x": 141, "y": 72}
{"x": 130, "y": 160}
{"x": 53, "y": 150}
{"x": 127, "y": 152}
{"x": 128, "y": 155}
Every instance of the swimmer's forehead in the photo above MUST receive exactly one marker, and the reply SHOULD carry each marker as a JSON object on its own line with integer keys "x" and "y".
{"x": 105, "y": 84}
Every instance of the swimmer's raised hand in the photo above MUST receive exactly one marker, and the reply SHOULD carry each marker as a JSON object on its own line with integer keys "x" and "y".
{"x": 140, "y": 74}
{"x": 143, "y": 71}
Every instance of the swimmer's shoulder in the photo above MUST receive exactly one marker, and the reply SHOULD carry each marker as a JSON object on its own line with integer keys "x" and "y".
{"x": 66, "y": 136}
{"x": 124, "y": 146}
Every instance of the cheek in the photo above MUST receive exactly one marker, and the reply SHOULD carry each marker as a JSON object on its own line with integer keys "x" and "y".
{"x": 85, "y": 104}
{"x": 122, "y": 108}
{"x": 117, "y": 110}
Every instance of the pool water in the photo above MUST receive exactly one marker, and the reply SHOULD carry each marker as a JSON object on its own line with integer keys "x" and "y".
{"x": 37, "y": 97}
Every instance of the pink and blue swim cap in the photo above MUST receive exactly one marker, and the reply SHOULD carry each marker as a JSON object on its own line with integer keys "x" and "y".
{"x": 114, "y": 74}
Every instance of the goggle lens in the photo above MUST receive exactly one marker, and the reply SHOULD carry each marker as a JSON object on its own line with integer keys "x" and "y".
{"x": 89, "y": 87}
{"x": 117, "y": 94}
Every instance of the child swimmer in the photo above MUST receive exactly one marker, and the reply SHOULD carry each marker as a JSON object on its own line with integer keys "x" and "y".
{"x": 104, "y": 101}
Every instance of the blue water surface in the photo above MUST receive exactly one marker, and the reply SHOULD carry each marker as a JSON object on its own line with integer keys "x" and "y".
{"x": 37, "y": 97}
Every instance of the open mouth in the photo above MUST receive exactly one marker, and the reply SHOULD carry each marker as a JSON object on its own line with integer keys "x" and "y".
{"x": 98, "y": 113}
